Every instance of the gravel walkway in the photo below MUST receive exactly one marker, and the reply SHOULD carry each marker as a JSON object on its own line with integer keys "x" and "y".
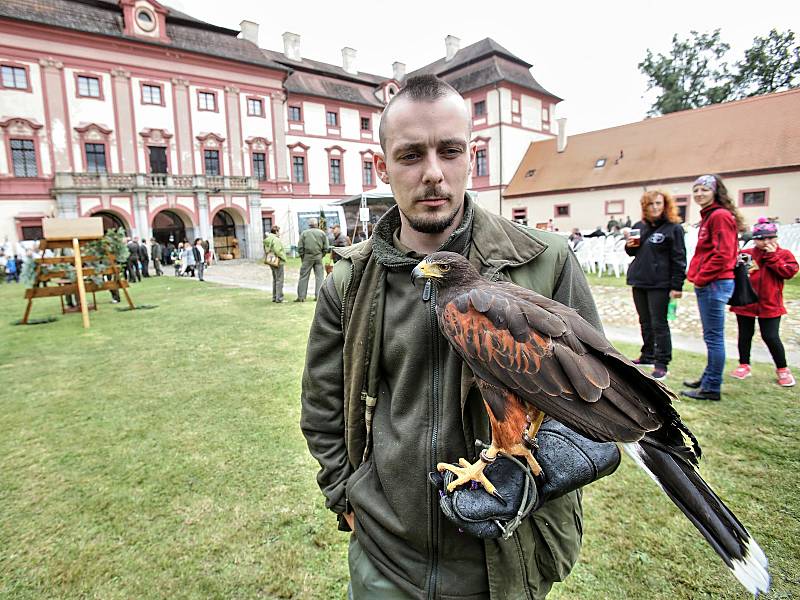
{"x": 615, "y": 305}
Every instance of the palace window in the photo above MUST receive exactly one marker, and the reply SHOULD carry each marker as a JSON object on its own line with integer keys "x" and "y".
{"x": 481, "y": 164}
{"x": 255, "y": 107}
{"x": 365, "y": 125}
{"x": 260, "y": 165}
{"x": 299, "y": 169}
{"x": 211, "y": 158}
{"x": 368, "y": 178}
{"x": 562, "y": 210}
{"x": 88, "y": 87}
{"x": 15, "y": 77}
{"x": 23, "y": 157}
{"x": 332, "y": 118}
{"x": 295, "y": 114}
{"x": 151, "y": 94}
{"x": 479, "y": 108}
{"x": 753, "y": 198}
{"x": 519, "y": 215}
{"x": 96, "y": 158}
{"x": 207, "y": 101}
{"x": 336, "y": 171}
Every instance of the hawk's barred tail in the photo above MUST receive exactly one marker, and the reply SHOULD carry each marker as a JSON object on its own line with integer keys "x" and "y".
{"x": 718, "y": 525}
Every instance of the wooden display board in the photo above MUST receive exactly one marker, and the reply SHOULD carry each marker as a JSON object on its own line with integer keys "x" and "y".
{"x": 82, "y": 231}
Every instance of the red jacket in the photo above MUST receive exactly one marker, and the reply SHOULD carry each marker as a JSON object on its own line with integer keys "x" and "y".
{"x": 717, "y": 247}
{"x": 767, "y": 281}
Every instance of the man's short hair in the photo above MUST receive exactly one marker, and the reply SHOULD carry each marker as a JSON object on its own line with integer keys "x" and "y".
{"x": 420, "y": 88}
{"x": 312, "y": 222}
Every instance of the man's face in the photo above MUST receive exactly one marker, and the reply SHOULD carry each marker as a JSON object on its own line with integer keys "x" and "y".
{"x": 428, "y": 160}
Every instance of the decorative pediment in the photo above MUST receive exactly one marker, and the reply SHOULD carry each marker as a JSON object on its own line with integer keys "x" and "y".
{"x": 335, "y": 150}
{"x": 210, "y": 140}
{"x": 93, "y": 131}
{"x": 19, "y": 126}
{"x": 298, "y": 147}
{"x": 258, "y": 144}
{"x": 155, "y": 135}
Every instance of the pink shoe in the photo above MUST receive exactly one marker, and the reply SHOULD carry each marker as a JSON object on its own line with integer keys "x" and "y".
{"x": 741, "y": 372}
{"x": 785, "y": 377}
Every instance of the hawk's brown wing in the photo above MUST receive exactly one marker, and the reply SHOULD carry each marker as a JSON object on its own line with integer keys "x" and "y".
{"x": 549, "y": 356}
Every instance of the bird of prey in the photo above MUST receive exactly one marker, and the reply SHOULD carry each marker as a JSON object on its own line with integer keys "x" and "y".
{"x": 532, "y": 356}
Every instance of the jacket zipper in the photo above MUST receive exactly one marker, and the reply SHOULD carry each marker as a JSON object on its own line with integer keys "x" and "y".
{"x": 429, "y": 294}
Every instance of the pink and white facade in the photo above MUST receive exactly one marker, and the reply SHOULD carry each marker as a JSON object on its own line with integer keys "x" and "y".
{"x": 168, "y": 126}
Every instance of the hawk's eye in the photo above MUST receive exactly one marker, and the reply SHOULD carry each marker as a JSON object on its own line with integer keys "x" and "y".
{"x": 444, "y": 267}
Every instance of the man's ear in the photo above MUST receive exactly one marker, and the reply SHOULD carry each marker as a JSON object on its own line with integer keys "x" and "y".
{"x": 380, "y": 167}
{"x": 473, "y": 149}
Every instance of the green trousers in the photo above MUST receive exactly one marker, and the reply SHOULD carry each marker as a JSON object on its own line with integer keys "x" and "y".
{"x": 366, "y": 582}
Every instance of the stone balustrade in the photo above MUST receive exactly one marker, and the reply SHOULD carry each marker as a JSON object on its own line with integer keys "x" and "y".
{"x": 129, "y": 182}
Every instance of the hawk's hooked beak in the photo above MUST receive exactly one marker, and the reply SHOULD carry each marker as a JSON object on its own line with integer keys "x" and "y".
{"x": 426, "y": 270}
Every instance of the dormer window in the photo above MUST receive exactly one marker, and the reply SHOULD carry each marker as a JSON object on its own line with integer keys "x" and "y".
{"x": 145, "y": 19}
{"x": 530, "y": 172}
{"x": 600, "y": 162}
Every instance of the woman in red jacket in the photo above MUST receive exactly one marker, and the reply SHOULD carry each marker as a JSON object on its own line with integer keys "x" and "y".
{"x": 770, "y": 266}
{"x": 711, "y": 271}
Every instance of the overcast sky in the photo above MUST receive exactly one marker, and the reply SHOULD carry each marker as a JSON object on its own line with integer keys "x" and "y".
{"x": 585, "y": 52}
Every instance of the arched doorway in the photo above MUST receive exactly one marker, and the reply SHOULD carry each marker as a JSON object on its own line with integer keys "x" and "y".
{"x": 229, "y": 229}
{"x": 167, "y": 224}
{"x": 111, "y": 221}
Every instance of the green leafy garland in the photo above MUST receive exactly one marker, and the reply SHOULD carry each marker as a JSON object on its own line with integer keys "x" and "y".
{"x": 113, "y": 242}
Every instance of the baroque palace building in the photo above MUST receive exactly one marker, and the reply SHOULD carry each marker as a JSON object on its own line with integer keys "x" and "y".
{"x": 169, "y": 126}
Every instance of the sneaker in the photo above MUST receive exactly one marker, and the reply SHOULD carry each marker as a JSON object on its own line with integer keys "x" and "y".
{"x": 641, "y": 362}
{"x": 785, "y": 377}
{"x": 741, "y": 372}
{"x": 702, "y": 395}
{"x": 659, "y": 373}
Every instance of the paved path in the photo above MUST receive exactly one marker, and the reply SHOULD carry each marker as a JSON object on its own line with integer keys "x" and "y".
{"x": 615, "y": 305}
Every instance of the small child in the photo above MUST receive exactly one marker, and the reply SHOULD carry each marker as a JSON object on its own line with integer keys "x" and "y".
{"x": 770, "y": 266}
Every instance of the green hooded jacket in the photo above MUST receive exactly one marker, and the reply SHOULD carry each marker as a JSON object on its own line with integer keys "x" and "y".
{"x": 385, "y": 398}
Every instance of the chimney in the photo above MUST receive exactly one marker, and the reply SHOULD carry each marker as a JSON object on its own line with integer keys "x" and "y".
{"x": 562, "y": 134}
{"x": 398, "y": 71}
{"x": 291, "y": 46}
{"x": 249, "y": 31}
{"x": 451, "y": 43}
{"x": 349, "y": 60}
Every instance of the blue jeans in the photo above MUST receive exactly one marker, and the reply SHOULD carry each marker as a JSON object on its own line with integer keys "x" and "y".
{"x": 711, "y": 301}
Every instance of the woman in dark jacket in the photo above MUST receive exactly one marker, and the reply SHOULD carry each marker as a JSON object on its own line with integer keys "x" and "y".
{"x": 711, "y": 272}
{"x": 771, "y": 265}
{"x": 657, "y": 275}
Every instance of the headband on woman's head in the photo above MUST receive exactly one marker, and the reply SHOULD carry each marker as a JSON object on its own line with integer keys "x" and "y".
{"x": 708, "y": 181}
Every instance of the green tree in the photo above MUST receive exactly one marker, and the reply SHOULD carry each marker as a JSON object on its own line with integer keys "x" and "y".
{"x": 692, "y": 75}
{"x": 771, "y": 64}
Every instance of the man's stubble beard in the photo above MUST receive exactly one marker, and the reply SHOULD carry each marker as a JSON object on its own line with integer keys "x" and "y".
{"x": 432, "y": 223}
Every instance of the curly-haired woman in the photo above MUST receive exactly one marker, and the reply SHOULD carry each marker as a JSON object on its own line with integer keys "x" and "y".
{"x": 711, "y": 271}
{"x": 656, "y": 274}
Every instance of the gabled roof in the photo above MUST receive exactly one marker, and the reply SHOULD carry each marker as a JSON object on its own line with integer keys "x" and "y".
{"x": 315, "y": 78}
{"x": 754, "y": 134}
{"x": 315, "y": 66}
{"x": 311, "y": 84}
{"x": 104, "y": 17}
{"x": 483, "y": 63}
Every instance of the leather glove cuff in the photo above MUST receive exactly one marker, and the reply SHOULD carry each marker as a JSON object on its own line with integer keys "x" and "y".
{"x": 568, "y": 460}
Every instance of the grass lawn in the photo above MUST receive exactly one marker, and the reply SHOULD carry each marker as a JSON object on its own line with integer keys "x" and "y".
{"x": 157, "y": 455}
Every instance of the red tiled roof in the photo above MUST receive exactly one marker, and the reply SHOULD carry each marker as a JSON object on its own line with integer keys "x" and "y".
{"x": 757, "y": 133}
